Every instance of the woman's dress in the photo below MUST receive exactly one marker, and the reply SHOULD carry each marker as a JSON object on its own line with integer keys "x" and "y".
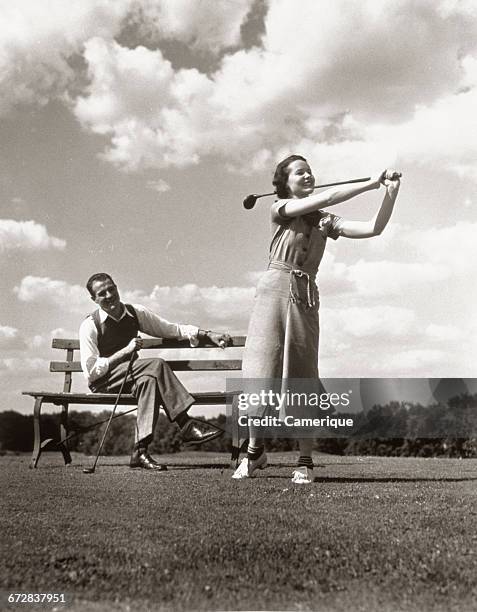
{"x": 283, "y": 333}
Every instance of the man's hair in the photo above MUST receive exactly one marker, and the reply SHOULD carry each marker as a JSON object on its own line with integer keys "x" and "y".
{"x": 99, "y": 276}
{"x": 280, "y": 178}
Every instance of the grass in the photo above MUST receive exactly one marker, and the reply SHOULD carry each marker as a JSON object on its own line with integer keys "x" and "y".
{"x": 370, "y": 534}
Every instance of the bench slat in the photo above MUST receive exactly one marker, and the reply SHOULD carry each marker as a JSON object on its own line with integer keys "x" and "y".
{"x": 149, "y": 343}
{"x": 202, "y": 398}
{"x": 178, "y": 365}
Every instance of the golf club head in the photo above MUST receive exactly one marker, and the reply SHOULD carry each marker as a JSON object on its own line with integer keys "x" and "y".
{"x": 250, "y": 201}
{"x": 88, "y": 470}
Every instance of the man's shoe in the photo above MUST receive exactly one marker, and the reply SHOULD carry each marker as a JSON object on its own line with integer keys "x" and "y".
{"x": 198, "y": 432}
{"x": 144, "y": 460}
{"x": 302, "y": 475}
{"x": 248, "y": 466}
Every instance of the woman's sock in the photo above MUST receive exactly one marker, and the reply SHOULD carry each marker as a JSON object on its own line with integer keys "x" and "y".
{"x": 254, "y": 451}
{"x": 305, "y": 461}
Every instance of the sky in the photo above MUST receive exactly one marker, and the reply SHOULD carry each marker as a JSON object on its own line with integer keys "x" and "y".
{"x": 131, "y": 131}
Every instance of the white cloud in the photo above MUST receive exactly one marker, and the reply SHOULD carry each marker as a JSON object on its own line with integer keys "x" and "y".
{"x": 454, "y": 246}
{"x": 36, "y": 44}
{"x": 160, "y": 185}
{"x": 444, "y": 333}
{"x": 388, "y": 277}
{"x": 448, "y": 8}
{"x": 23, "y": 365}
{"x": 406, "y": 55}
{"x": 225, "y": 308}
{"x": 380, "y": 342}
{"x": 252, "y": 277}
{"x": 440, "y": 255}
{"x": 377, "y": 94}
{"x": 415, "y": 363}
{"x": 367, "y": 340}
{"x": 365, "y": 279}
{"x": 370, "y": 322}
{"x": 43, "y": 341}
{"x": 435, "y": 336}
{"x": 10, "y": 338}
{"x": 155, "y": 116}
{"x": 204, "y": 26}
{"x": 44, "y": 290}
{"x": 441, "y": 135}
{"x": 27, "y": 235}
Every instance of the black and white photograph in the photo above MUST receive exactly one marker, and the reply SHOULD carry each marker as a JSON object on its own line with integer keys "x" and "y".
{"x": 238, "y": 340}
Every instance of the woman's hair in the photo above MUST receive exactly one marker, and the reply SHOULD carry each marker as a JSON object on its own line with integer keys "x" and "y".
{"x": 280, "y": 178}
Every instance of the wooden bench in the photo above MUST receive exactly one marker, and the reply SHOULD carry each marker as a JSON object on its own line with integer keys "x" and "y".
{"x": 66, "y": 397}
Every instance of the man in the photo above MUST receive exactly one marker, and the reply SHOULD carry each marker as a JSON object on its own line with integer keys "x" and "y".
{"x": 108, "y": 338}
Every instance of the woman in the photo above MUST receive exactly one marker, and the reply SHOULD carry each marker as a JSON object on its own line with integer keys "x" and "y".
{"x": 282, "y": 341}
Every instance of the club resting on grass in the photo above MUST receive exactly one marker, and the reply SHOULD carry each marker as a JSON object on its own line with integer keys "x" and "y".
{"x": 91, "y": 470}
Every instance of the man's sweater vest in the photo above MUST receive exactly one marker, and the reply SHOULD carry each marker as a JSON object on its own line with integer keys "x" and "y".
{"x": 115, "y": 335}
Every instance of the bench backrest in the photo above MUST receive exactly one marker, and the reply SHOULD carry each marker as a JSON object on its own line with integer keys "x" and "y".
{"x": 70, "y": 345}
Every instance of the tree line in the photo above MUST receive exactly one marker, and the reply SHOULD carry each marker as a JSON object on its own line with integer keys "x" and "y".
{"x": 395, "y": 429}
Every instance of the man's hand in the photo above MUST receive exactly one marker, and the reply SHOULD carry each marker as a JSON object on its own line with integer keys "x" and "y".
{"x": 134, "y": 345}
{"x": 125, "y": 353}
{"x": 221, "y": 340}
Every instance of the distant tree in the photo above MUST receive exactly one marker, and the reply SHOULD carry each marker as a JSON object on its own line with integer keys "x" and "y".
{"x": 443, "y": 429}
{"x": 14, "y": 432}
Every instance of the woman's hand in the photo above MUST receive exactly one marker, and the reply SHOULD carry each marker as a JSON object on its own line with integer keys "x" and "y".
{"x": 374, "y": 227}
{"x": 392, "y": 181}
{"x": 389, "y": 175}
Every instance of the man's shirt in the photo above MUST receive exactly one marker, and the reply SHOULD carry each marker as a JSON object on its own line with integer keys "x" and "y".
{"x": 94, "y": 366}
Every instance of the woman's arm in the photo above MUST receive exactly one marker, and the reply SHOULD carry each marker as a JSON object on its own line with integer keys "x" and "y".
{"x": 330, "y": 197}
{"x": 374, "y": 227}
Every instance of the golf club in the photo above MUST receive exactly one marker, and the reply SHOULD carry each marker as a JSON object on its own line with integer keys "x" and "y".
{"x": 250, "y": 201}
{"x": 80, "y": 430}
{"x": 92, "y": 469}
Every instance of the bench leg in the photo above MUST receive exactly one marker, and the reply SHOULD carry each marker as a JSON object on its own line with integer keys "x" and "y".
{"x": 64, "y": 434}
{"x": 38, "y": 445}
{"x": 37, "y": 433}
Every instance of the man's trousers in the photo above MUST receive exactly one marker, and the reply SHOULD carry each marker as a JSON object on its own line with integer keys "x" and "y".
{"x": 153, "y": 384}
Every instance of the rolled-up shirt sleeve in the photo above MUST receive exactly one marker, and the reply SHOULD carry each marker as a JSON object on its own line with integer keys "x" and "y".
{"x": 154, "y": 325}
{"x": 277, "y": 213}
{"x": 332, "y": 225}
{"x": 335, "y": 228}
{"x": 94, "y": 366}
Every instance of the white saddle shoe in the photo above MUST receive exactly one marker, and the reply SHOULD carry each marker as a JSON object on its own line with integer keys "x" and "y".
{"x": 247, "y": 467}
{"x": 302, "y": 475}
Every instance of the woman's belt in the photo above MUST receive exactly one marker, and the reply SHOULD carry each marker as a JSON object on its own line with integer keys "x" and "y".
{"x": 295, "y": 274}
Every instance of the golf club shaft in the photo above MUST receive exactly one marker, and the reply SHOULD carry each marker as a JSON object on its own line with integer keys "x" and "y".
{"x": 131, "y": 359}
{"x": 250, "y": 201}
{"x": 358, "y": 180}
{"x": 86, "y": 428}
